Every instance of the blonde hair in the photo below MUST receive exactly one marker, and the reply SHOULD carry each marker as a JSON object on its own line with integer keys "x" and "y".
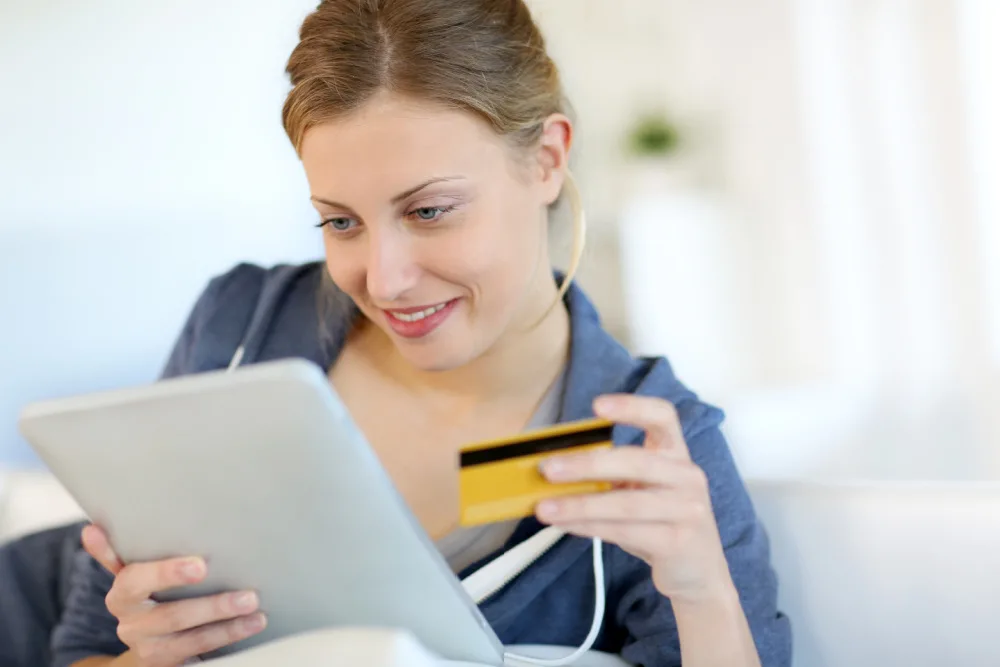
{"x": 487, "y": 57}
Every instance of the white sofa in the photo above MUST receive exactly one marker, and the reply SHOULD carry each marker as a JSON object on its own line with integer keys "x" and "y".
{"x": 33, "y": 500}
{"x": 872, "y": 574}
{"x": 889, "y": 573}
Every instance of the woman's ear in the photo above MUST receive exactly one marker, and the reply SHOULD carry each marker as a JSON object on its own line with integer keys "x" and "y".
{"x": 553, "y": 155}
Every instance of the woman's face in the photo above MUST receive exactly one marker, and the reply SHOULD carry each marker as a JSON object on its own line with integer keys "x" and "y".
{"x": 433, "y": 226}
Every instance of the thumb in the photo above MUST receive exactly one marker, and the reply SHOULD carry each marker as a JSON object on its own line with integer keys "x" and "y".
{"x": 96, "y": 543}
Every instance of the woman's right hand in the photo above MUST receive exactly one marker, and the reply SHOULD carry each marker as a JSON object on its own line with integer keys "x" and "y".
{"x": 171, "y": 633}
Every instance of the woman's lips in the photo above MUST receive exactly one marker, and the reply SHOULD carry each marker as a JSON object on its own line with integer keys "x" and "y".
{"x": 419, "y": 321}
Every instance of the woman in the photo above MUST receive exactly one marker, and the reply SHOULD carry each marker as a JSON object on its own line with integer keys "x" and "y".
{"x": 434, "y": 139}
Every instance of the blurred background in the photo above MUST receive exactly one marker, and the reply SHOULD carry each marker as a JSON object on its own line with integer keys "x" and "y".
{"x": 795, "y": 200}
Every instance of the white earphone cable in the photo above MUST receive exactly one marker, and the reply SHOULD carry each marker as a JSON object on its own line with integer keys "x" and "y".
{"x": 236, "y": 360}
{"x": 514, "y": 660}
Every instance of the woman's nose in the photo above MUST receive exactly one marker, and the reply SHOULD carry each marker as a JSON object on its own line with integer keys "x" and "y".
{"x": 392, "y": 270}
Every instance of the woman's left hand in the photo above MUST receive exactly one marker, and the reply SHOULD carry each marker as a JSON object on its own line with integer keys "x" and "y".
{"x": 659, "y": 509}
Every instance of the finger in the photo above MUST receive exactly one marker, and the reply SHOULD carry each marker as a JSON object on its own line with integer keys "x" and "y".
{"x": 137, "y": 582}
{"x": 636, "y": 465}
{"x": 96, "y": 543}
{"x": 174, "y": 617}
{"x": 657, "y": 417}
{"x": 198, "y": 641}
{"x": 646, "y": 506}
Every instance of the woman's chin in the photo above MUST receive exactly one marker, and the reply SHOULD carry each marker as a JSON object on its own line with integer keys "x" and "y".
{"x": 432, "y": 360}
{"x": 443, "y": 353}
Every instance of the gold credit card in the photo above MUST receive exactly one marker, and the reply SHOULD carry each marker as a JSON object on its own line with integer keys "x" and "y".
{"x": 500, "y": 479}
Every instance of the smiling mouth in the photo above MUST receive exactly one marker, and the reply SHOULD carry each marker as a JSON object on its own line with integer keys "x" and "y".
{"x": 417, "y": 315}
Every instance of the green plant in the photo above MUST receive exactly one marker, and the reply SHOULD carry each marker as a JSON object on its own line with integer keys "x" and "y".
{"x": 653, "y": 136}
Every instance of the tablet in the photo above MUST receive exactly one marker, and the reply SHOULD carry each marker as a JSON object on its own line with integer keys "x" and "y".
{"x": 262, "y": 472}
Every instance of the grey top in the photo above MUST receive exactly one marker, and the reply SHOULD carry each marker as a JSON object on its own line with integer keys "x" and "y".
{"x": 464, "y": 546}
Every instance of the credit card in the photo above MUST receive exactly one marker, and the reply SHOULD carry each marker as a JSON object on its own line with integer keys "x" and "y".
{"x": 501, "y": 480}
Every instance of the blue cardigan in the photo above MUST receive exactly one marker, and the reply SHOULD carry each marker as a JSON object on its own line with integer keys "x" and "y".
{"x": 276, "y": 313}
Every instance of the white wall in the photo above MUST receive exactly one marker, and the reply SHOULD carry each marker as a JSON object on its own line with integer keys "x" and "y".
{"x": 980, "y": 51}
{"x": 848, "y": 329}
{"x": 143, "y": 139}
{"x": 142, "y": 152}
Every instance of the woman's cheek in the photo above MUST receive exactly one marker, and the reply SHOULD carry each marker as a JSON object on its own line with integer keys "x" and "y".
{"x": 347, "y": 273}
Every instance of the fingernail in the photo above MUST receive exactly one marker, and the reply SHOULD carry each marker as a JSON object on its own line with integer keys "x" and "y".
{"x": 254, "y": 623}
{"x": 548, "y": 508}
{"x": 604, "y": 403}
{"x": 246, "y": 601}
{"x": 193, "y": 568}
{"x": 553, "y": 468}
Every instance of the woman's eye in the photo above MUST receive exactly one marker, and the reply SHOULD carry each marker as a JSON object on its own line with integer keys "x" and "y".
{"x": 429, "y": 213}
{"x": 340, "y": 224}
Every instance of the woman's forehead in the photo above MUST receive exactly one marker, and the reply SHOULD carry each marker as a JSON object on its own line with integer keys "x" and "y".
{"x": 396, "y": 125}
{"x": 390, "y": 144}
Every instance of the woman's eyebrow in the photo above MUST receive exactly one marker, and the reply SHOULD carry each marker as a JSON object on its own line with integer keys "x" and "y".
{"x": 412, "y": 191}
{"x": 398, "y": 198}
